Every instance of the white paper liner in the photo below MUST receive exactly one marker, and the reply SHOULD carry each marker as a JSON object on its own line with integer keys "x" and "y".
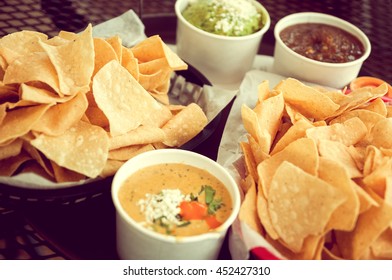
{"x": 242, "y": 239}
{"x": 128, "y": 26}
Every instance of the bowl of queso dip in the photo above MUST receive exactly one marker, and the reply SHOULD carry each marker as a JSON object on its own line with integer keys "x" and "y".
{"x": 319, "y": 48}
{"x": 173, "y": 204}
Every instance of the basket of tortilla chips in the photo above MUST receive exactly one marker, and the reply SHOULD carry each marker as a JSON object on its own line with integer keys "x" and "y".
{"x": 74, "y": 108}
{"x": 317, "y": 172}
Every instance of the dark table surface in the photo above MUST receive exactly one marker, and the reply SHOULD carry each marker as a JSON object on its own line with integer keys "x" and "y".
{"x": 82, "y": 227}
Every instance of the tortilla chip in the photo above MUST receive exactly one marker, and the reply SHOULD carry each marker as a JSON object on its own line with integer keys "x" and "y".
{"x": 84, "y": 148}
{"x": 104, "y": 53}
{"x": 116, "y": 43}
{"x": 369, "y": 119}
{"x": 138, "y": 136}
{"x": 389, "y": 111}
{"x": 67, "y": 35}
{"x": 246, "y": 183}
{"x": 307, "y": 100}
{"x": 295, "y": 153}
{"x": 264, "y": 214}
{"x": 59, "y": 118}
{"x": 338, "y": 152}
{"x": 248, "y": 210}
{"x": 252, "y": 126}
{"x": 348, "y": 133}
{"x": 58, "y": 41}
{"x": 300, "y": 205}
{"x": 111, "y": 168}
{"x": 184, "y": 126}
{"x": 388, "y": 190}
{"x": 40, "y": 95}
{"x": 154, "y": 48}
{"x": 161, "y": 98}
{"x": 19, "y": 122}
{"x": 74, "y": 62}
{"x": 258, "y": 153}
{"x": 373, "y": 159}
{"x": 296, "y": 131}
{"x": 250, "y": 162}
{"x": 39, "y": 158}
{"x": 263, "y": 91}
{"x": 359, "y": 97}
{"x": 345, "y": 216}
{"x": 130, "y": 63}
{"x": 124, "y": 101}
{"x": 129, "y": 152}
{"x": 12, "y": 149}
{"x": 382, "y": 247}
{"x": 3, "y": 112}
{"x": 10, "y": 165}
{"x": 269, "y": 113}
{"x": 358, "y": 155}
{"x": 377, "y": 106}
{"x": 311, "y": 249}
{"x": 382, "y": 133}
{"x": 153, "y": 81}
{"x": 64, "y": 175}
{"x": 376, "y": 180}
{"x": 370, "y": 225}
{"x": 32, "y": 67}
{"x": 328, "y": 254}
{"x": 20, "y": 44}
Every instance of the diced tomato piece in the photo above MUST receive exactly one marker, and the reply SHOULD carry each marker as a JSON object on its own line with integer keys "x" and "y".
{"x": 193, "y": 210}
{"x": 212, "y": 222}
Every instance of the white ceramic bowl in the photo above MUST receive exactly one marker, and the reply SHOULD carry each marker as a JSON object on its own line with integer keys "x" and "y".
{"x": 134, "y": 241}
{"x": 291, "y": 64}
{"x": 222, "y": 59}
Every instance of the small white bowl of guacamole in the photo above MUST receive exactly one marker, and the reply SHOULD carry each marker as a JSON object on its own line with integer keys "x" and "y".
{"x": 220, "y": 37}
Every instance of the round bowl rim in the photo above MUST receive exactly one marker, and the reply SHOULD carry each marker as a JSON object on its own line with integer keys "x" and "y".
{"x": 175, "y": 239}
{"x": 303, "y": 15}
{"x": 256, "y": 34}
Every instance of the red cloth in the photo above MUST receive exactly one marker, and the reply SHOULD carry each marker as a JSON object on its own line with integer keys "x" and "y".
{"x": 261, "y": 253}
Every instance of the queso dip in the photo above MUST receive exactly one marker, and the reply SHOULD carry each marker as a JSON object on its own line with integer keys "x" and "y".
{"x": 176, "y": 199}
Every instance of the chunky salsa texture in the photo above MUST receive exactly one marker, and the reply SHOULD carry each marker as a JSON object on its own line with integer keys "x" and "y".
{"x": 322, "y": 42}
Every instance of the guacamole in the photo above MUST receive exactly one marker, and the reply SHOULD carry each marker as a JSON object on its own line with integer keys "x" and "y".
{"x": 224, "y": 17}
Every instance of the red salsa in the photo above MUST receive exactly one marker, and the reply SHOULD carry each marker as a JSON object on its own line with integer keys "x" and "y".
{"x": 322, "y": 42}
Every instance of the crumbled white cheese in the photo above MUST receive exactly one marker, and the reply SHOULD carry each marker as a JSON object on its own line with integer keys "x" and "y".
{"x": 164, "y": 205}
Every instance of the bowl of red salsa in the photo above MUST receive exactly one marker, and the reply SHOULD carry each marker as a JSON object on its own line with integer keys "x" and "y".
{"x": 319, "y": 48}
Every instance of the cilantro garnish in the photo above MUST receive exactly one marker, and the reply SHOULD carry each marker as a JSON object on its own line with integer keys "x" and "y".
{"x": 193, "y": 197}
{"x": 184, "y": 224}
{"x": 212, "y": 203}
{"x": 161, "y": 221}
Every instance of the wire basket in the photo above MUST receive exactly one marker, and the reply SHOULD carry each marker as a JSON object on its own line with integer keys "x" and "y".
{"x": 186, "y": 87}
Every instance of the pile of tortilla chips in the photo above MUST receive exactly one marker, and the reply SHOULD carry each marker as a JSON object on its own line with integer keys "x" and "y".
{"x": 318, "y": 180}
{"x": 74, "y": 107}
